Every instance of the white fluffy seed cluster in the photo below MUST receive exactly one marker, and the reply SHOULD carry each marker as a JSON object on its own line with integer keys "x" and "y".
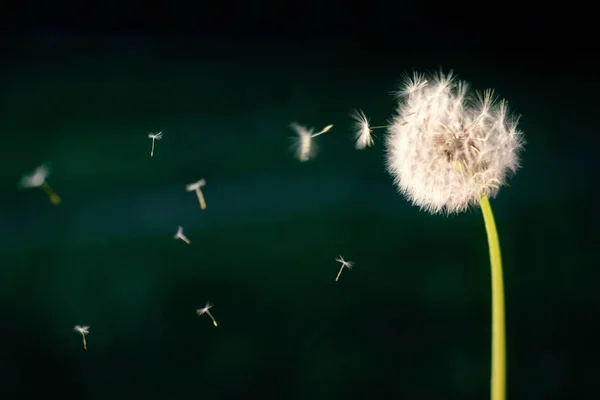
{"x": 447, "y": 147}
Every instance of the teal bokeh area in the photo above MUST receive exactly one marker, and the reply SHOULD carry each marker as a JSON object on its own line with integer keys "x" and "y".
{"x": 411, "y": 320}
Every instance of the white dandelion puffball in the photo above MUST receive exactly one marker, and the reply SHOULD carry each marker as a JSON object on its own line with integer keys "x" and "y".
{"x": 447, "y": 147}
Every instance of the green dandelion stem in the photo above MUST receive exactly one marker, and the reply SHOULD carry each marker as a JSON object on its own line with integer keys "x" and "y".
{"x": 498, "y": 384}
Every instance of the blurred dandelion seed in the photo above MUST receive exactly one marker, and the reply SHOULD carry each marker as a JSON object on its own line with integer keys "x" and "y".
{"x": 180, "y": 235}
{"x": 363, "y": 131}
{"x": 345, "y": 264}
{"x": 195, "y": 187}
{"x": 38, "y": 179}
{"x": 83, "y": 330}
{"x": 303, "y": 145}
{"x": 154, "y": 136}
{"x": 204, "y": 310}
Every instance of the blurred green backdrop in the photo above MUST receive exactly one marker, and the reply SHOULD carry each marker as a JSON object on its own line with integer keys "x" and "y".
{"x": 410, "y": 321}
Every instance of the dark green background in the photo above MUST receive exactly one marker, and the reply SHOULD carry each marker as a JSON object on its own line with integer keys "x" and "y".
{"x": 410, "y": 321}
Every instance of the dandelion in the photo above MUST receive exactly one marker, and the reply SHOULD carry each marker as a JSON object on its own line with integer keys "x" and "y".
{"x": 363, "y": 131}
{"x": 38, "y": 179}
{"x": 180, "y": 235}
{"x": 83, "y": 330}
{"x": 303, "y": 145}
{"x": 195, "y": 187}
{"x": 449, "y": 149}
{"x": 345, "y": 264}
{"x": 204, "y": 310}
{"x": 154, "y": 136}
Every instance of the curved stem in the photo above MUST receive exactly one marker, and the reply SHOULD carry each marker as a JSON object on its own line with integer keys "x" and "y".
{"x": 498, "y": 384}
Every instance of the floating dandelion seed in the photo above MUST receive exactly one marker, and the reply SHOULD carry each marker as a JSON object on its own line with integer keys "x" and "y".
{"x": 363, "y": 131}
{"x": 38, "y": 179}
{"x": 303, "y": 145}
{"x": 180, "y": 235}
{"x": 449, "y": 149}
{"x": 154, "y": 136}
{"x": 204, "y": 310}
{"x": 195, "y": 187}
{"x": 83, "y": 330}
{"x": 345, "y": 264}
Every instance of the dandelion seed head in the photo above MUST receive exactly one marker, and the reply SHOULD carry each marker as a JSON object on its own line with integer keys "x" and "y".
{"x": 447, "y": 147}
{"x": 362, "y": 130}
